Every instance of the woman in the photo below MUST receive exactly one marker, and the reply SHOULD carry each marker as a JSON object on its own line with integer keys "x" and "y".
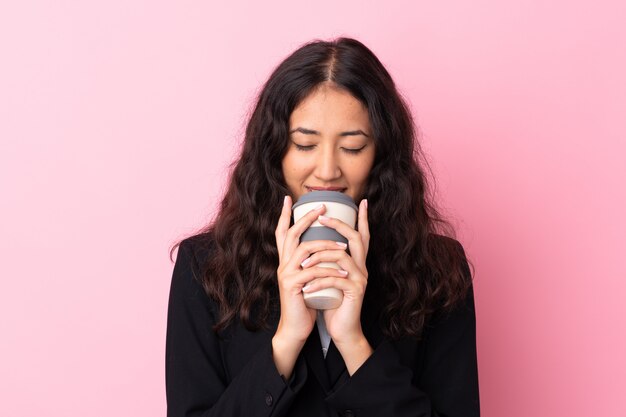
{"x": 241, "y": 341}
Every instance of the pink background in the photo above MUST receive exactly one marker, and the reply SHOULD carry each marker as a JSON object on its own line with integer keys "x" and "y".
{"x": 118, "y": 118}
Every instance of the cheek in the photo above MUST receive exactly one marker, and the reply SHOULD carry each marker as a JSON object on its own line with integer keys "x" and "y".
{"x": 292, "y": 166}
{"x": 362, "y": 168}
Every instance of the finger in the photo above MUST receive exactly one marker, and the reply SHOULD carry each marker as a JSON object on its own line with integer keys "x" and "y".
{"x": 306, "y": 249}
{"x": 341, "y": 258}
{"x": 326, "y": 255}
{"x": 363, "y": 225}
{"x": 343, "y": 284}
{"x": 355, "y": 243}
{"x": 283, "y": 224}
{"x": 311, "y": 274}
{"x": 292, "y": 238}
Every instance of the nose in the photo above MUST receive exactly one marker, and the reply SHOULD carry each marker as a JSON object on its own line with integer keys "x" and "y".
{"x": 327, "y": 166}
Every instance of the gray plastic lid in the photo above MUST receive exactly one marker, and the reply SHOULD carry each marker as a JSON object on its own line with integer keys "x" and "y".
{"x": 332, "y": 196}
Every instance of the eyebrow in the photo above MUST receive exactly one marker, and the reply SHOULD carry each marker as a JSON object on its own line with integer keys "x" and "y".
{"x": 315, "y": 132}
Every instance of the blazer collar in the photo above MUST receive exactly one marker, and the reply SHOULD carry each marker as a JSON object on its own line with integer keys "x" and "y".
{"x": 328, "y": 371}
{"x": 314, "y": 357}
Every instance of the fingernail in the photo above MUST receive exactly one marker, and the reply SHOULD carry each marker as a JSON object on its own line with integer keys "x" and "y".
{"x": 342, "y": 272}
{"x": 319, "y": 206}
{"x": 284, "y": 201}
{"x": 305, "y": 262}
{"x": 306, "y": 287}
{"x": 322, "y": 217}
{"x": 365, "y": 203}
{"x": 343, "y": 245}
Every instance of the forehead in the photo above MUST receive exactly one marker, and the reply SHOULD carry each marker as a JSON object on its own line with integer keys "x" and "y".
{"x": 330, "y": 105}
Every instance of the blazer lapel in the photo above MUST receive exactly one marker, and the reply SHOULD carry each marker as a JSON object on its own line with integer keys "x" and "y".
{"x": 332, "y": 369}
{"x": 335, "y": 365}
{"x": 327, "y": 371}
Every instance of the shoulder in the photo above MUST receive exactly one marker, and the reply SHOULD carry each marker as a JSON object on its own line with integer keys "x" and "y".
{"x": 445, "y": 246}
{"x": 450, "y": 251}
{"x": 192, "y": 313}
{"x": 454, "y": 277}
{"x": 196, "y": 250}
{"x": 191, "y": 262}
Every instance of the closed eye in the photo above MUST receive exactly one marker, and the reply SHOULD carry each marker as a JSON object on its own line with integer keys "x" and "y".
{"x": 353, "y": 151}
{"x": 306, "y": 148}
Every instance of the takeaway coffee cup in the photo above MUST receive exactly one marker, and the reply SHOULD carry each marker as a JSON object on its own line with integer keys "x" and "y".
{"x": 339, "y": 206}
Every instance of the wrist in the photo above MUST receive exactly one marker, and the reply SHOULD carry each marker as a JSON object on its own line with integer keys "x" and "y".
{"x": 352, "y": 339}
{"x": 287, "y": 339}
{"x": 286, "y": 345}
{"x": 351, "y": 343}
{"x": 354, "y": 353}
{"x": 285, "y": 353}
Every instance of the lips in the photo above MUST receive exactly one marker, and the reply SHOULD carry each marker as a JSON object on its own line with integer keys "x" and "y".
{"x": 340, "y": 189}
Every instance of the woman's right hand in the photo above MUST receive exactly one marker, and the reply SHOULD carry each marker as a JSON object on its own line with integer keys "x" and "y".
{"x": 296, "y": 319}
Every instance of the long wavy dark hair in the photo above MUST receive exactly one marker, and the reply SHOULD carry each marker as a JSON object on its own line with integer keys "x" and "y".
{"x": 417, "y": 269}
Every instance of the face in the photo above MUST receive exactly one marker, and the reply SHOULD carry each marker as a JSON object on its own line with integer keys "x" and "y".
{"x": 330, "y": 144}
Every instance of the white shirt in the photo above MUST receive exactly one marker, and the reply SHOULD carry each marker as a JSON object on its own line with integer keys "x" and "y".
{"x": 324, "y": 336}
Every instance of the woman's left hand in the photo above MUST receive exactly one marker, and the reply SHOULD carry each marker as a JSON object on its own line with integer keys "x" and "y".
{"x": 344, "y": 322}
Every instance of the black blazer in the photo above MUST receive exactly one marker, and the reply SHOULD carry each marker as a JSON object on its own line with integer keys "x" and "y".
{"x": 235, "y": 375}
